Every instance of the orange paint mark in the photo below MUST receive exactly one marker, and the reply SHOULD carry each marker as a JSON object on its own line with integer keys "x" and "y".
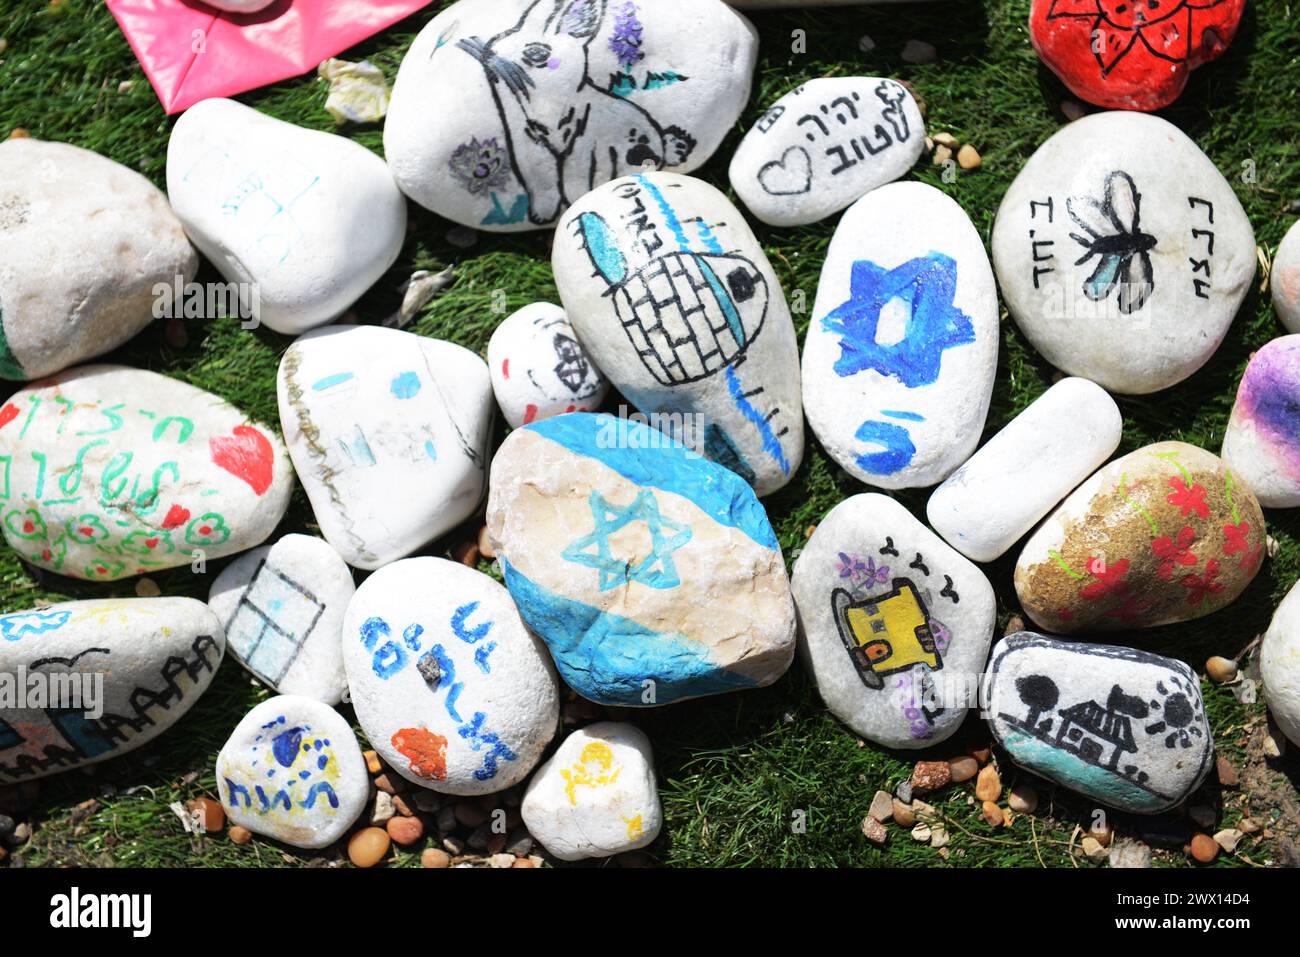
{"x": 426, "y": 751}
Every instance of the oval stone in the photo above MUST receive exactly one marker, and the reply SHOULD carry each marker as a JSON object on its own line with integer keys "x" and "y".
{"x": 85, "y": 681}
{"x": 1284, "y": 280}
{"x": 672, "y": 295}
{"x": 1262, "y": 443}
{"x": 540, "y": 369}
{"x": 1024, "y": 471}
{"x": 1122, "y": 252}
{"x": 503, "y": 114}
{"x": 596, "y": 796}
{"x": 307, "y": 221}
{"x": 452, "y": 690}
{"x": 1279, "y": 665}
{"x": 894, "y": 625}
{"x": 282, "y": 607}
{"x": 825, "y": 144}
{"x": 83, "y": 243}
{"x": 1122, "y": 726}
{"x": 902, "y": 348}
{"x": 389, "y": 432}
{"x": 1165, "y": 534}
{"x": 292, "y": 770}
{"x": 115, "y": 472}
{"x": 651, "y": 573}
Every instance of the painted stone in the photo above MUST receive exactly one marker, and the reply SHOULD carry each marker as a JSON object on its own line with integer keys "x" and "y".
{"x": 1262, "y": 443}
{"x": 651, "y": 573}
{"x": 1279, "y": 664}
{"x": 282, "y": 608}
{"x": 83, "y": 242}
{"x": 239, "y": 6}
{"x": 894, "y": 625}
{"x": 596, "y": 796}
{"x": 540, "y": 369}
{"x": 1024, "y": 471}
{"x": 1131, "y": 54}
{"x": 503, "y": 114}
{"x": 306, "y": 221}
{"x": 131, "y": 668}
{"x": 902, "y": 348}
{"x": 292, "y": 770}
{"x": 672, "y": 295}
{"x": 452, "y": 690}
{"x": 1122, "y": 726}
{"x": 824, "y": 145}
{"x": 1284, "y": 280}
{"x": 114, "y": 472}
{"x": 1165, "y": 534}
{"x": 1123, "y": 253}
{"x": 389, "y": 432}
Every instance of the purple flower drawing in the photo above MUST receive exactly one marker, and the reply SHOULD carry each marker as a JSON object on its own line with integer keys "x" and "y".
{"x": 481, "y": 165}
{"x": 626, "y": 39}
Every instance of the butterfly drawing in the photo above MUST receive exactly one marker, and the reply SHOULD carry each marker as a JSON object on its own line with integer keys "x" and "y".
{"x": 1114, "y": 235}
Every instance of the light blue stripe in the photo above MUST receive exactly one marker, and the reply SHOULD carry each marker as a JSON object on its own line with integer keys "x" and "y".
{"x": 670, "y": 467}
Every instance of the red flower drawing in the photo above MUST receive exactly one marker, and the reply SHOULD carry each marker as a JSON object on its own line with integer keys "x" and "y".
{"x": 1110, "y": 578}
{"x": 1201, "y": 587}
{"x": 1237, "y": 538}
{"x": 1188, "y": 499}
{"x": 1173, "y": 552}
{"x": 1129, "y": 611}
{"x": 1251, "y": 561}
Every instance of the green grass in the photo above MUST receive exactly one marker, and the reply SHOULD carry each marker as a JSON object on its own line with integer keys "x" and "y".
{"x": 737, "y": 770}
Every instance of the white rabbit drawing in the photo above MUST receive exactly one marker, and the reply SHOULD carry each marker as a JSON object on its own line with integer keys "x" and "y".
{"x": 566, "y": 134}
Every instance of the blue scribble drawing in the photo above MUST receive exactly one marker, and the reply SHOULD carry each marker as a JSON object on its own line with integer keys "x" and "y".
{"x": 925, "y": 287}
{"x": 285, "y": 746}
{"x": 320, "y": 787}
{"x": 14, "y": 627}
{"x": 469, "y": 635}
{"x": 405, "y": 386}
{"x": 474, "y": 734}
{"x": 331, "y": 381}
{"x": 262, "y": 200}
{"x": 906, "y": 416}
{"x": 272, "y": 620}
{"x": 357, "y": 448}
{"x": 656, "y": 570}
{"x": 771, "y": 442}
{"x": 897, "y": 448}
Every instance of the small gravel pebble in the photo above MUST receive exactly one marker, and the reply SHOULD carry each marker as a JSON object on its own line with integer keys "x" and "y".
{"x": 1220, "y": 669}
{"x": 239, "y": 834}
{"x": 882, "y": 806}
{"x": 919, "y": 52}
{"x": 435, "y": 858}
{"x": 1204, "y": 849}
{"x": 968, "y": 158}
{"x": 963, "y": 769}
{"x": 1023, "y": 799}
{"x": 405, "y": 830}
{"x": 367, "y": 847}
{"x": 989, "y": 785}
{"x": 874, "y": 831}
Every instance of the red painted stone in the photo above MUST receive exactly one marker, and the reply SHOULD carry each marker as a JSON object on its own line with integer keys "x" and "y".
{"x": 1131, "y": 54}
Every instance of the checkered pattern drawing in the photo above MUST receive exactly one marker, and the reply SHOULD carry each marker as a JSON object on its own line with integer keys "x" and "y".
{"x": 271, "y": 622}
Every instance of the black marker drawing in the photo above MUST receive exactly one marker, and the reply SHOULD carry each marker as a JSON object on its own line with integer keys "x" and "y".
{"x": 791, "y": 175}
{"x": 1113, "y": 227}
{"x": 565, "y": 133}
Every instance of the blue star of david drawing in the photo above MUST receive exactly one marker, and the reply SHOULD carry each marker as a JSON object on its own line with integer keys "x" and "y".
{"x": 926, "y": 286}
{"x": 656, "y": 570}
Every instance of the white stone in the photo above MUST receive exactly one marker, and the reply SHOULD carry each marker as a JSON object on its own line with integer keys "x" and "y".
{"x": 1262, "y": 443}
{"x": 1024, "y": 471}
{"x": 452, "y": 690}
{"x": 651, "y": 573}
{"x": 596, "y": 796}
{"x": 902, "y": 348}
{"x": 83, "y": 243}
{"x": 1122, "y": 252}
{"x": 824, "y": 145}
{"x": 505, "y": 113}
{"x": 918, "y": 617}
{"x": 292, "y": 770}
{"x": 389, "y": 432}
{"x": 133, "y": 666}
{"x": 1119, "y": 725}
{"x": 540, "y": 369}
{"x": 1284, "y": 280}
{"x": 282, "y": 608}
{"x": 117, "y": 472}
{"x": 718, "y": 354}
{"x": 308, "y": 221}
{"x": 1279, "y": 663}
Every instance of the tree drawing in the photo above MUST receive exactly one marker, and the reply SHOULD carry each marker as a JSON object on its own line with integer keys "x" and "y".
{"x": 1040, "y": 693}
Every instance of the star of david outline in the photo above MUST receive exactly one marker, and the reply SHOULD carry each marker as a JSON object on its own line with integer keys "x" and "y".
{"x": 609, "y": 519}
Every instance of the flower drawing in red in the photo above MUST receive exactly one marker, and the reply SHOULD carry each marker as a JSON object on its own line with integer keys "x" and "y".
{"x": 1109, "y": 578}
{"x": 1174, "y": 551}
{"x": 1201, "y": 587}
{"x": 1188, "y": 500}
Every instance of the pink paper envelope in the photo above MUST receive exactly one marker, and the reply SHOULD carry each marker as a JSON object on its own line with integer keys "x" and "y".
{"x": 191, "y": 51}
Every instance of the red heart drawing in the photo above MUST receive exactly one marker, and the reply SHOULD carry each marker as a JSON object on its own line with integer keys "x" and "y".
{"x": 176, "y": 517}
{"x": 8, "y": 414}
{"x": 247, "y": 455}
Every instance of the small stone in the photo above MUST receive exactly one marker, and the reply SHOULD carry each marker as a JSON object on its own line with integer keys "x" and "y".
{"x": 373, "y": 764}
{"x": 982, "y": 755}
{"x": 382, "y": 811}
{"x": 963, "y": 769}
{"x": 434, "y": 857}
{"x": 405, "y": 830}
{"x": 902, "y": 813}
{"x": 402, "y": 807}
{"x": 1130, "y": 854}
{"x": 239, "y": 834}
{"x": 922, "y": 833}
{"x": 939, "y": 836}
{"x": 918, "y": 52}
{"x": 470, "y": 814}
{"x": 1204, "y": 848}
{"x": 485, "y": 544}
{"x": 1103, "y": 833}
{"x": 453, "y": 845}
{"x": 523, "y": 862}
{"x": 447, "y": 822}
{"x": 882, "y": 806}
{"x": 19, "y": 133}
{"x": 1015, "y": 624}
{"x": 519, "y": 843}
{"x": 148, "y": 588}
{"x": 1094, "y": 850}
{"x": 1274, "y": 744}
{"x": 874, "y": 831}
{"x": 1023, "y": 799}
{"x": 466, "y": 553}
{"x": 988, "y": 787}
{"x": 1221, "y": 669}
{"x": 1249, "y": 825}
{"x": 1073, "y": 109}
{"x": 388, "y": 785}
{"x": 208, "y": 814}
{"x": 502, "y": 860}
{"x": 992, "y": 814}
{"x": 367, "y": 847}
{"x": 865, "y": 44}
{"x": 930, "y": 776}
{"x": 968, "y": 157}
{"x": 20, "y": 835}
{"x": 941, "y": 156}
{"x": 904, "y": 791}
{"x": 946, "y": 139}
{"x": 1229, "y": 838}
{"x": 1226, "y": 772}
